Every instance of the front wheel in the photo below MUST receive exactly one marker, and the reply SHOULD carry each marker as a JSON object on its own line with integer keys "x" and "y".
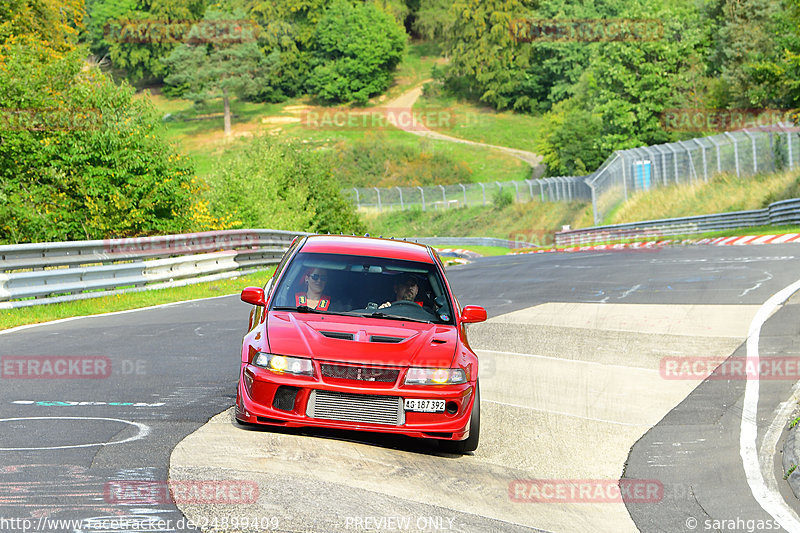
{"x": 470, "y": 444}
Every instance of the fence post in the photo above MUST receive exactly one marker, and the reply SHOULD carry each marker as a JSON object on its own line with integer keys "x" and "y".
{"x": 464, "y": 190}
{"x": 444, "y": 198}
{"x": 516, "y": 186}
{"x": 483, "y": 190}
{"x": 719, "y": 158}
{"x": 530, "y": 187}
{"x": 705, "y": 163}
{"x": 422, "y": 193}
{"x": 624, "y": 177}
{"x": 541, "y": 188}
{"x": 594, "y": 204}
{"x": 691, "y": 161}
{"x": 772, "y": 151}
{"x": 402, "y": 207}
{"x": 735, "y": 151}
{"x": 674, "y": 161}
{"x": 379, "y": 198}
{"x": 755, "y": 152}
{"x": 789, "y": 142}
{"x": 358, "y": 201}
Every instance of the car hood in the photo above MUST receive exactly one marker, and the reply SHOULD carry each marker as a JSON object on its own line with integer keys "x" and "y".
{"x": 361, "y": 340}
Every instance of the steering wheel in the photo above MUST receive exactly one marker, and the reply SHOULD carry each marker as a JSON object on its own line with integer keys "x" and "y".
{"x": 404, "y": 303}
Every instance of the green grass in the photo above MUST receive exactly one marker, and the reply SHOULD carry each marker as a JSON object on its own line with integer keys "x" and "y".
{"x": 414, "y": 69}
{"x": 486, "y": 251}
{"x": 483, "y": 124}
{"x": 723, "y": 193}
{"x": 532, "y": 222}
{"x": 134, "y": 300}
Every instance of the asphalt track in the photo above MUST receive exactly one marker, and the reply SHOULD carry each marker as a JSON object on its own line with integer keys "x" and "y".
{"x": 573, "y": 393}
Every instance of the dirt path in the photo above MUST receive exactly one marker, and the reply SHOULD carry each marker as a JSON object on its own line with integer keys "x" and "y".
{"x": 403, "y": 104}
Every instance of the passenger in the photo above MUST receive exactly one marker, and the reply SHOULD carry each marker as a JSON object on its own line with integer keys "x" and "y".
{"x": 405, "y": 288}
{"x": 314, "y": 296}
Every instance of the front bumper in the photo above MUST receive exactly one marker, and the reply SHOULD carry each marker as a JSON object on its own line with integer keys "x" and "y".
{"x": 264, "y": 397}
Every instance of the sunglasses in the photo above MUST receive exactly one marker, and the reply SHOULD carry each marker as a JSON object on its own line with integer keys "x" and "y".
{"x": 317, "y": 277}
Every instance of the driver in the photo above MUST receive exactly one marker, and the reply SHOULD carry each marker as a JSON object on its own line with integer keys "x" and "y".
{"x": 405, "y": 288}
{"x": 314, "y": 296}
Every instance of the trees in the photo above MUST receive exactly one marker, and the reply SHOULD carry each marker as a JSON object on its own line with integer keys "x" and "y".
{"x": 354, "y": 52}
{"x": 82, "y": 158}
{"x": 282, "y": 186}
{"x": 220, "y": 58}
{"x": 138, "y": 34}
{"x": 53, "y": 23}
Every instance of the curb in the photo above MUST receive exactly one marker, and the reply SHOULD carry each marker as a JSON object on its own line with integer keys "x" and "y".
{"x": 746, "y": 240}
{"x": 791, "y": 454}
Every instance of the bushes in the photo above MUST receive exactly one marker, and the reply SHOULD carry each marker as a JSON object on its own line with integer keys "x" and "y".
{"x": 93, "y": 163}
{"x": 374, "y": 161}
{"x": 280, "y": 185}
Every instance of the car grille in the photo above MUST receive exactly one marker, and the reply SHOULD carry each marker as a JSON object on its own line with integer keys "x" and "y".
{"x": 367, "y": 408}
{"x": 360, "y": 373}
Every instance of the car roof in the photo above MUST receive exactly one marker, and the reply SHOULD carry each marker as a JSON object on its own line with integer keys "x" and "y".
{"x": 367, "y": 246}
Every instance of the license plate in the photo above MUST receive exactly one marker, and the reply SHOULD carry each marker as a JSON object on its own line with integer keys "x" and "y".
{"x": 424, "y": 406}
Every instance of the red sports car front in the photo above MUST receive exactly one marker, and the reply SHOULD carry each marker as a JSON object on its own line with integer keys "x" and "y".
{"x": 361, "y": 334}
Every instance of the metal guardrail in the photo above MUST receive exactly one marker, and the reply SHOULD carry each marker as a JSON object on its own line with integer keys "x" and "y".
{"x": 471, "y": 241}
{"x": 781, "y": 213}
{"x": 40, "y": 273}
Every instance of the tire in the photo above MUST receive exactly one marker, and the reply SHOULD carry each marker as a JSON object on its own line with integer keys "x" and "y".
{"x": 470, "y": 444}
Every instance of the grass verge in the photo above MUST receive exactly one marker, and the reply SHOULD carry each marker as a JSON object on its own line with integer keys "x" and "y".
{"x": 134, "y": 300}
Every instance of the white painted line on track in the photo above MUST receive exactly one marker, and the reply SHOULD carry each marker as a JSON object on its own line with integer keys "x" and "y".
{"x": 770, "y": 501}
{"x": 562, "y": 413}
{"x": 144, "y": 430}
{"x": 577, "y": 361}
{"x": 111, "y": 313}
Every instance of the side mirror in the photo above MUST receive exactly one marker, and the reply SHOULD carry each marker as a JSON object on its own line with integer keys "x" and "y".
{"x": 473, "y": 313}
{"x": 255, "y": 296}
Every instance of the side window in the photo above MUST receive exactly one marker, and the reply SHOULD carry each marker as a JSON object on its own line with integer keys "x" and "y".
{"x": 270, "y": 283}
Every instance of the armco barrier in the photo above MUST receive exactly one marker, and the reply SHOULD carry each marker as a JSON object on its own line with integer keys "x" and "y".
{"x": 786, "y": 212}
{"x": 40, "y": 273}
{"x": 62, "y": 271}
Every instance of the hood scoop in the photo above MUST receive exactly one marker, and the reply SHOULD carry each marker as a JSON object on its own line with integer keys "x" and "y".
{"x": 386, "y": 339}
{"x": 341, "y": 335}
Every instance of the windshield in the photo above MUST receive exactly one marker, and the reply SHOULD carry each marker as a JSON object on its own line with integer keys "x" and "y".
{"x": 364, "y": 286}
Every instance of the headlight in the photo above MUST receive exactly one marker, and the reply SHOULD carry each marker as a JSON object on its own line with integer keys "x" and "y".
{"x": 435, "y": 376}
{"x": 283, "y": 364}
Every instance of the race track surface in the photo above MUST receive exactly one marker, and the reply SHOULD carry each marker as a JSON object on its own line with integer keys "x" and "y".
{"x": 575, "y": 395}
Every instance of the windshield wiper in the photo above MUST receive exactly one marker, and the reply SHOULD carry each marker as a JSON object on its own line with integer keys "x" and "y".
{"x": 305, "y": 309}
{"x": 378, "y": 314}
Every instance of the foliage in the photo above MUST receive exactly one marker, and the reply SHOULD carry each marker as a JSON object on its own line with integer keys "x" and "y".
{"x": 502, "y": 198}
{"x": 354, "y": 52}
{"x": 570, "y": 142}
{"x": 213, "y": 68}
{"x": 281, "y": 185}
{"x": 83, "y": 158}
{"x": 375, "y": 161}
{"x": 53, "y": 23}
{"x": 138, "y": 39}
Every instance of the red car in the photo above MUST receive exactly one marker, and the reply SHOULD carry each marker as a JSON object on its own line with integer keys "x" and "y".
{"x": 361, "y": 334}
